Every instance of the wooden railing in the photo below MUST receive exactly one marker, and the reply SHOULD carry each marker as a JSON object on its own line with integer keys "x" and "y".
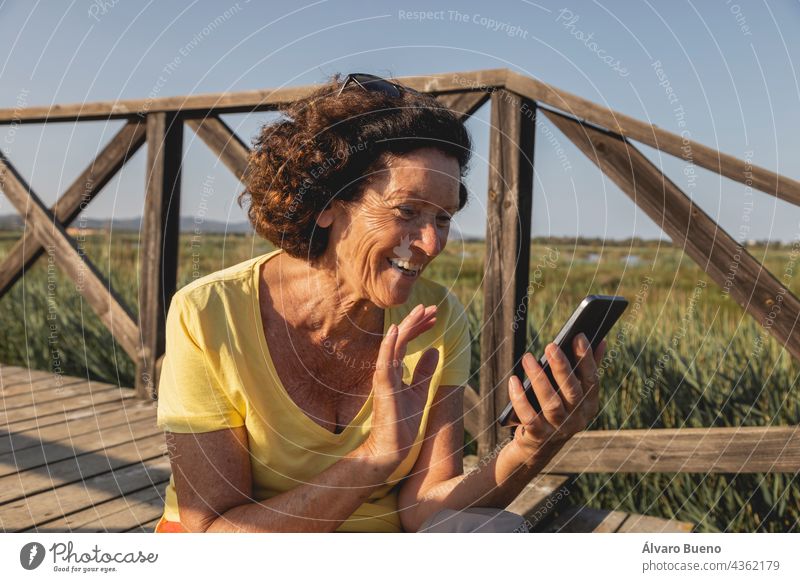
{"x": 604, "y": 135}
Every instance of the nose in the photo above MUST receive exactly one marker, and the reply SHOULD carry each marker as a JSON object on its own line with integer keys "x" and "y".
{"x": 429, "y": 240}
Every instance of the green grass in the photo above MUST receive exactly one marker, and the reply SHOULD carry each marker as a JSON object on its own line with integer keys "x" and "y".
{"x": 688, "y": 356}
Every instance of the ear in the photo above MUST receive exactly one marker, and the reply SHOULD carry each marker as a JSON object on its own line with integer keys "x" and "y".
{"x": 325, "y": 218}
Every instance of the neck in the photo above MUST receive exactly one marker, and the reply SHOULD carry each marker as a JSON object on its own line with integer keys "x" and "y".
{"x": 316, "y": 300}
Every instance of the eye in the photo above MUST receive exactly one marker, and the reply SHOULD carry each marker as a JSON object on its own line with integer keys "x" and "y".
{"x": 406, "y": 211}
{"x": 444, "y": 220}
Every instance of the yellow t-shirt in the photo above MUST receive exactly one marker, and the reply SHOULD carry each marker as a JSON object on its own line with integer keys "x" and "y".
{"x": 217, "y": 374}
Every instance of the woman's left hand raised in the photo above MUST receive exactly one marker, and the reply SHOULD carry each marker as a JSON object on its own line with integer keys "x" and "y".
{"x": 565, "y": 411}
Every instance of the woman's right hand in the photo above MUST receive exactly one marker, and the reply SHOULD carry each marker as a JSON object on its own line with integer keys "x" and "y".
{"x": 397, "y": 407}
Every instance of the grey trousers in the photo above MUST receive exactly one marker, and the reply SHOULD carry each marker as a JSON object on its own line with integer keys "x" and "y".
{"x": 474, "y": 520}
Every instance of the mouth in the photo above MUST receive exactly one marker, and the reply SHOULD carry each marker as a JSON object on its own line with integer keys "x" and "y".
{"x": 405, "y": 268}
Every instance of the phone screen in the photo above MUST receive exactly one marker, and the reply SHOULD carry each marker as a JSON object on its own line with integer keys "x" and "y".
{"x": 594, "y": 317}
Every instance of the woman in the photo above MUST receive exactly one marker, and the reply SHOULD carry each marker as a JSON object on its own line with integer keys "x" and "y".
{"x": 320, "y": 387}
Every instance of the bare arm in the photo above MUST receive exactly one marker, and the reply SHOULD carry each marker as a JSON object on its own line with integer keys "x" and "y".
{"x": 213, "y": 481}
{"x": 437, "y": 480}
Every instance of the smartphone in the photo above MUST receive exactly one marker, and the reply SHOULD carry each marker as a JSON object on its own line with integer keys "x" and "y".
{"x": 595, "y": 317}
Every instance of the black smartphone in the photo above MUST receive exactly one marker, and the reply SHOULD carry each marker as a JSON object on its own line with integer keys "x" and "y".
{"x": 595, "y": 317}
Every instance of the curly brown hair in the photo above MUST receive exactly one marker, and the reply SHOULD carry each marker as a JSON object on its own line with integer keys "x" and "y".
{"x": 327, "y": 145}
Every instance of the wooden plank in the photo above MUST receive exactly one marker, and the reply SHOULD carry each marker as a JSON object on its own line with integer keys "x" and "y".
{"x": 70, "y": 415}
{"x": 88, "y": 280}
{"x": 27, "y": 376}
{"x": 540, "y": 498}
{"x": 508, "y": 240}
{"x": 108, "y": 418}
{"x": 589, "y": 520}
{"x": 753, "y": 287}
{"x": 110, "y": 421}
{"x": 8, "y": 373}
{"x": 726, "y": 165}
{"x": 39, "y": 397}
{"x": 148, "y": 527}
{"x": 224, "y": 142}
{"x": 81, "y": 467}
{"x": 159, "y": 246}
{"x": 231, "y": 102}
{"x": 82, "y": 191}
{"x": 464, "y": 103}
{"x": 755, "y": 449}
{"x": 117, "y": 515}
{"x": 648, "y": 524}
{"x": 585, "y": 520}
{"x": 42, "y": 411}
{"x": 50, "y": 505}
{"x": 47, "y": 453}
{"x": 41, "y": 385}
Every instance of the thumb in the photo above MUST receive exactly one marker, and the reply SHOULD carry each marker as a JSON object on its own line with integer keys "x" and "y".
{"x": 425, "y": 369}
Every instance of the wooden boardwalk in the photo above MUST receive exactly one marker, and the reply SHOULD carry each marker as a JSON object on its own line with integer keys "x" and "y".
{"x": 85, "y": 456}
{"x": 77, "y": 456}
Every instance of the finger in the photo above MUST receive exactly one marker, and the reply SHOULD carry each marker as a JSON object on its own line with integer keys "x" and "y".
{"x": 425, "y": 370}
{"x": 587, "y": 368}
{"x": 386, "y": 355}
{"x": 419, "y": 313}
{"x": 417, "y": 322}
{"x": 550, "y": 402}
{"x": 525, "y": 411}
{"x": 568, "y": 382}
{"x": 600, "y": 352}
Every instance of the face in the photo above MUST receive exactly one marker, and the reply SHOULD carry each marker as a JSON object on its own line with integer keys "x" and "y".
{"x": 381, "y": 244}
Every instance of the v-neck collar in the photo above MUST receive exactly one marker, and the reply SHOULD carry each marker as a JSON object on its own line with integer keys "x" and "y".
{"x": 291, "y": 406}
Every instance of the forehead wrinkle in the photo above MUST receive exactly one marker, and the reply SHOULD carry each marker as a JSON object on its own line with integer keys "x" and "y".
{"x": 417, "y": 198}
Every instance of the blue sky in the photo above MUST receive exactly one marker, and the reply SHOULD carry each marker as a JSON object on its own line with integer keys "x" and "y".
{"x": 733, "y": 67}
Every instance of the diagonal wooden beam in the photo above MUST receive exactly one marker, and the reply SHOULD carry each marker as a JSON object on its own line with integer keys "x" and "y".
{"x": 223, "y": 141}
{"x": 82, "y": 191}
{"x": 88, "y": 280}
{"x": 727, "y": 263}
{"x": 680, "y": 146}
{"x": 464, "y": 103}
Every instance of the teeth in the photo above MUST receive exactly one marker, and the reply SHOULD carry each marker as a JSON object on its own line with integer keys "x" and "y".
{"x": 407, "y": 265}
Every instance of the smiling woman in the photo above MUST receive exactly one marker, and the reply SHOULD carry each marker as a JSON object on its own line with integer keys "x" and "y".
{"x": 319, "y": 387}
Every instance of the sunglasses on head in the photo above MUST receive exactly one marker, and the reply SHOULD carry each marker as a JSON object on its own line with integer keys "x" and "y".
{"x": 371, "y": 83}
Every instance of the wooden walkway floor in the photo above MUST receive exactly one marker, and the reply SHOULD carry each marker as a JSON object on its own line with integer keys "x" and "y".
{"x": 77, "y": 456}
{"x": 80, "y": 456}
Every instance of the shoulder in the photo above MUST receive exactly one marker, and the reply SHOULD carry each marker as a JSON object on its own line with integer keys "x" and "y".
{"x": 215, "y": 301}
{"x": 234, "y": 282}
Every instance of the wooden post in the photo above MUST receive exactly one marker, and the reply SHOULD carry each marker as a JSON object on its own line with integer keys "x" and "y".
{"x": 508, "y": 240}
{"x": 159, "y": 247}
